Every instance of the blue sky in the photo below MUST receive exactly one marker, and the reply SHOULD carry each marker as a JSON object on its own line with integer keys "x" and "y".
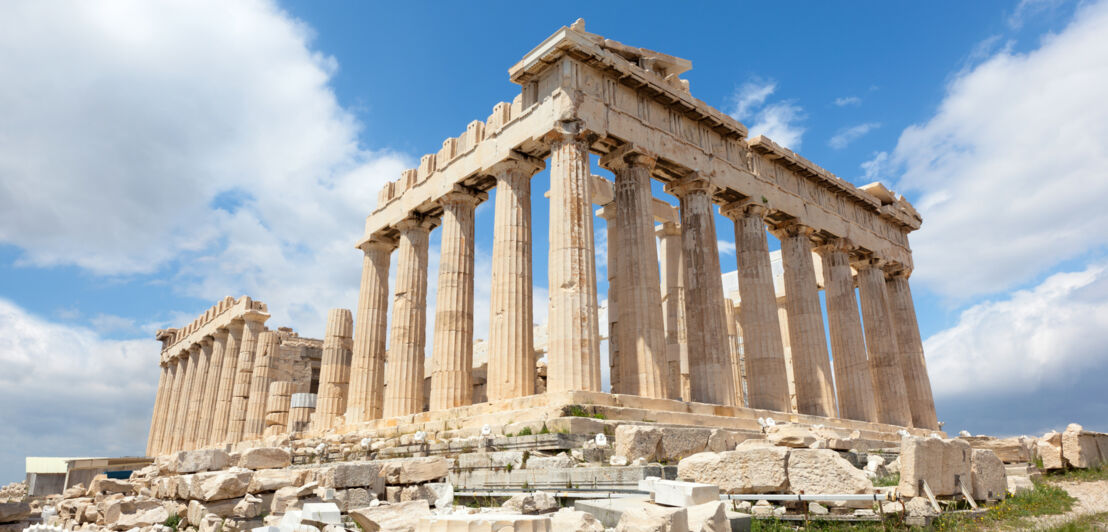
{"x": 155, "y": 157}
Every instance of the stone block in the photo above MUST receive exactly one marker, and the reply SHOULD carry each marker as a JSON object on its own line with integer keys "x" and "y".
{"x": 571, "y": 520}
{"x": 265, "y": 458}
{"x": 199, "y": 460}
{"x": 397, "y": 517}
{"x": 646, "y": 517}
{"x": 709, "y": 517}
{"x": 1009, "y": 450}
{"x": 11, "y": 512}
{"x": 274, "y": 479}
{"x": 825, "y": 471}
{"x": 637, "y": 441}
{"x": 990, "y": 480}
{"x": 104, "y": 485}
{"x": 221, "y": 485}
{"x": 414, "y": 470}
{"x": 538, "y": 502}
{"x": 608, "y": 511}
{"x": 485, "y": 523}
{"x": 744, "y": 470}
{"x": 680, "y": 493}
{"x": 145, "y": 518}
{"x": 493, "y": 460}
{"x": 321, "y": 512}
{"x": 935, "y": 460}
{"x": 559, "y": 461}
{"x": 678, "y": 443}
{"x": 1080, "y": 447}
{"x": 352, "y": 475}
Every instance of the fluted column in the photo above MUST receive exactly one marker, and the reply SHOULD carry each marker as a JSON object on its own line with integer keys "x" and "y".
{"x": 196, "y": 396}
{"x": 920, "y": 400}
{"x": 881, "y": 342}
{"x": 852, "y": 373}
{"x": 221, "y": 416}
{"x": 169, "y": 434}
{"x": 608, "y": 213}
{"x": 404, "y": 383}
{"x": 269, "y": 344}
{"x": 673, "y": 303}
{"x": 334, "y": 369}
{"x": 210, "y": 393}
{"x": 452, "y": 346}
{"x": 240, "y": 397}
{"x": 367, "y": 372}
{"x": 765, "y": 356}
{"x": 511, "y": 366}
{"x": 815, "y": 389}
{"x": 184, "y": 410}
{"x": 640, "y": 327}
{"x": 573, "y": 334}
{"x": 277, "y": 403}
{"x": 736, "y": 353}
{"x": 710, "y": 367}
{"x": 156, "y": 416}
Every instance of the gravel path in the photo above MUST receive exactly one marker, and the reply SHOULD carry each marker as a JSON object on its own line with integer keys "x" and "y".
{"x": 1092, "y": 497}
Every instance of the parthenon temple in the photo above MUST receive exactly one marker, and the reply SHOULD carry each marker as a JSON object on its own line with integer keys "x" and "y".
{"x": 686, "y": 343}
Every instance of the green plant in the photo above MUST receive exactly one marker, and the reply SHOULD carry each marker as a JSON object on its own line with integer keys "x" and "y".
{"x": 525, "y": 432}
{"x": 598, "y": 415}
{"x": 526, "y": 456}
{"x": 544, "y": 430}
{"x": 1081, "y": 475}
{"x": 508, "y": 467}
{"x": 578, "y": 411}
{"x": 173, "y": 521}
{"x": 888, "y": 480}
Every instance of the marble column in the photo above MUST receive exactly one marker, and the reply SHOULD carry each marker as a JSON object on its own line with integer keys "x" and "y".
{"x": 156, "y": 421}
{"x": 608, "y": 213}
{"x": 790, "y": 380}
{"x": 196, "y": 396}
{"x": 640, "y": 327}
{"x": 709, "y": 353}
{"x": 240, "y": 397}
{"x": 269, "y": 345}
{"x": 168, "y": 437}
{"x": 334, "y": 369}
{"x": 277, "y": 403}
{"x": 765, "y": 356}
{"x": 221, "y": 416}
{"x": 511, "y": 366}
{"x": 211, "y": 389}
{"x": 673, "y": 304}
{"x": 736, "y": 353}
{"x": 852, "y": 374}
{"x": 367, "y": 374}
{"x": 404, "y": 383}
{"x": 184, "y": 410}
{"x": 891, "y": 397}
{"x": 815, "y": 389}
{"x": 920, "y": 400}
{"x": 573, "y": 355}
{"x": 452, "y": 346}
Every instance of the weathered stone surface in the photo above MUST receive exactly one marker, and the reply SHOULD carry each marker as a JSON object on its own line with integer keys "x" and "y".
{"x": 637, "y": 441}
{"x": 14, "y": 511}
{"x": 1079, "y": 447}
{"x": 484, "y": 522}
{"x": 414, "y": 470}
{"x": 398, "y": 517}
{"x": 680, "y": 493}
{"x": 265, "y": 458}
{"x": 722, "y": 440}
{"x": 102, "y": 484}
{"x": 538, "y": 502}
{"x": 571, "y": 520}
{"x": 709, "y": 517}
{"x": 274, "y": 479}
{"x": 1009, "y": 450}
{"x": 747, "y": 470}
{"x": 249, "y": 507}
{"x": 935, "y": 460}
{"x": 351, "y": 475}
{"x": 153, "y": 516}
{"x": 559, "y": 461}
{"x": 72, "y": 492}
{"x": 791, "y": 435}
{"x": 825, "y": 471}
{"x": 291, "y": 497}
{"x": 223, "y": 485}
{"x": 491, "y": 460}
{"x": 678, "y": 443}
{"x": 199, "y": 460}
{"x": 647, "y": 517}
{"x": 1049, "y": 448}
{"x": 920, "y": 507}
{"x": 989, "y": 478}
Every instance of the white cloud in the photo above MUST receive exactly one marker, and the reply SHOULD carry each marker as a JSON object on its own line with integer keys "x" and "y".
{"x": 1045, "y": 337}
{"x": 1028, "y": 8}
{"x": 844, "y": 136}
{"x": 778, "y": 120}
{"x": 875, "y": 168}
{"x": 1010, "y": 171}
{"x": 847, "y": 100}
{"x": 70, "y": 392}
{"x": 725, "y": 247}
{"x": 137, "y": 135}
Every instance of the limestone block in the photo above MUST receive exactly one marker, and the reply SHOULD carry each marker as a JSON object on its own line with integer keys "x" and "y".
{"x": 274, "y": 479}
{"x": 223, "y": 485}
{"x": 398, "y": 517}
{"x": 825, "y": 471}
{"x": 935, "y": 460}
{"x": 1018, "y": 485}
{"x": 709, "y": 517}
{"x": 493, "y": 460}
{"x": 196, "y": 512}
{"x": 722, "y": 440}
{"x": 680, "y": 493}
{"x": 989, "y": 477}
{"x": 1079, "y": 447}
{"x": 352, "y": 475}
{"x": 747, "y": 470}
{"x": 355, "y": 498}
{"x": 571, "y": 520}
{"x": 791, "y": 435}
{"x": 538, "y": 502}
{"x": 102, "y": 484}
{"x": 678, "y": 443}
{"x": 153, "y": 516}
{"x": 1049, "y": 448}
{"x": 920, "y": 507}
{"x": 637, "y": 441}
{"x": 326, "y": 513}
{"x": 77, "y": 490}
{"x": 211, "y": 523}
{"x": 414, "y": 470}
{"x": 199, "y": 460}
{"x": 291, "y": 497}
{"x": 559, "y": 461}
{"x": 265, "y": 458}
{"x": 647, "y": 517}
{"x": 484, "y": 523}
{"x": 249, "y": 507}
{"x": 14, "y": 511}
{"x": 1009, "y": 450}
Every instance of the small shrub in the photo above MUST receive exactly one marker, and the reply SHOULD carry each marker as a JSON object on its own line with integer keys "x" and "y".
{"x": 887, "y": 480}
{"x": 544, "y": 430}
{"x": 525, "y": 432}
{"x": 173, "y": 521}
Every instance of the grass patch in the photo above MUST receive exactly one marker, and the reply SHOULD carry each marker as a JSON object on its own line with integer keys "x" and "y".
{"x": 173, "y": 521}
{"x": 1098, "y": 521}
{"x": 579, "y": 411}
{"x": 887, "y": 480}
{"x": 525, "y": 432}
{"x": 1045, "y": 499}
{"x": 1080, "y": 475}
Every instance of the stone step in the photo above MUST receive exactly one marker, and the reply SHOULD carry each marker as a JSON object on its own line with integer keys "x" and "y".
{"x": 608, "y": 512}
{"x": 532, "y": 442}
{"x": 627, "y": 477}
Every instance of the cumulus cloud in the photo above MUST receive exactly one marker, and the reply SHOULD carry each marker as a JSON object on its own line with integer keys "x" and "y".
{"x": 70, "y": 392}
{"x": 778, "y": 120}
{"x": 1023, "y": 133}
{"x": 844, "y": 136}
{"x": 139, "y": 136}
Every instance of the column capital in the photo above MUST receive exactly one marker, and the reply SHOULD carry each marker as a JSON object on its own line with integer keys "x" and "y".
{"x": 793, "y": 228}
{"x": 607, "y": 211}
{"x": 569, "y": 131}
{"x": 668, "y": 229}
{"x": 518, "y": 162}
{"x": 629, "y": 155}
{"x": 460, "y": 195}
{"x": 868, "y": 261}
{"x": 836, "y": 244}
{"x": 416, "y": 222}
{"x": 220, "y": 333}
{"x": 895, "y": 269}
{"x": 207, "y": 341}
{"x": 255, "y": 317}
{"x": 694, "y": 182}
{"x": 235, "y": 326}
{"x": 378, "y": 243}
{"x": 744, "y": 208}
